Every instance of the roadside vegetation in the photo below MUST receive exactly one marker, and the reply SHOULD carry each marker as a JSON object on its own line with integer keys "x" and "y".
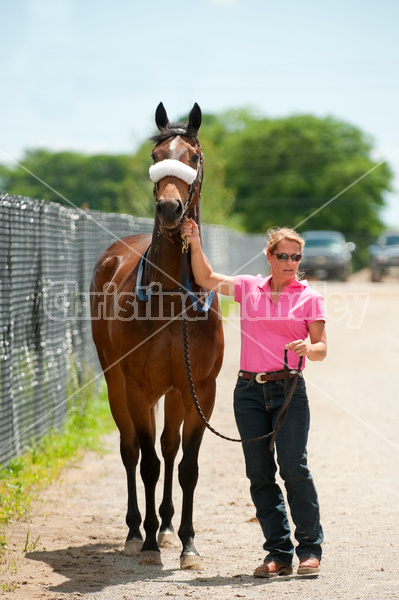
{"x": 88, "y": 419}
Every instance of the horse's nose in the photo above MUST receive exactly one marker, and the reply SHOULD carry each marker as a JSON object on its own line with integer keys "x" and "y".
{"x": 169, "y": 210}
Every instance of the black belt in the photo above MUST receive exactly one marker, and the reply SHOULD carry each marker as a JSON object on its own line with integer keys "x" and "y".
{"x": 271, "y": 376}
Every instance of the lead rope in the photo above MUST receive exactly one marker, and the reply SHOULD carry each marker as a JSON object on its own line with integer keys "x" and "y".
{"x": 288, "y": 389}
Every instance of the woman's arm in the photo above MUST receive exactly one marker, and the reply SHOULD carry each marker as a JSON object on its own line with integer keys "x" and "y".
{"x": 316, "y": 349}
{"x": 203, "y": 274}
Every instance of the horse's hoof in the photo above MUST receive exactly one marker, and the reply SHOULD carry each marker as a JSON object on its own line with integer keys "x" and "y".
{"x": 191, "y": 561}
{"x": 133, "y": 547}
{"x": 150, "y": 557}
{"x": 167, "y": 539}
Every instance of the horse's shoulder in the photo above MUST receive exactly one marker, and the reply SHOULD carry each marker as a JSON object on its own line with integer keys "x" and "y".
{"x": 129, "y": 249}
{"x": 124, "y": 251}
{"x": 104, "y": 270}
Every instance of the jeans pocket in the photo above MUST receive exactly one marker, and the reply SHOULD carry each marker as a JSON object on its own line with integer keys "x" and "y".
{"x": 243, "y": 384}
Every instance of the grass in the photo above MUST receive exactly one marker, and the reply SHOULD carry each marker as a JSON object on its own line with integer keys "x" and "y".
{"x": 88, "y": 419}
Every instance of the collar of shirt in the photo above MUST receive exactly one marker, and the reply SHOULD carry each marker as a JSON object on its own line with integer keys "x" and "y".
{"x": 264, "y": 284}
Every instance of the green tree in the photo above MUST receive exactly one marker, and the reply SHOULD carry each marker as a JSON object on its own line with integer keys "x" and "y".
{"x": 301, "y": 171}
{"x": 109, "y": 183}
{"x": 99, "y": 182}
{"x": 137, "y": 196}
{"x": 285, "y": 172}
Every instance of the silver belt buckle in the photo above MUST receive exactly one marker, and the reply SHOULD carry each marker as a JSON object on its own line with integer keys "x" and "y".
{"x": 258, "y": 377}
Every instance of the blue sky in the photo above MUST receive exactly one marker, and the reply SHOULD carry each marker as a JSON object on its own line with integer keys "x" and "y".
{"x": 87, "y": 75}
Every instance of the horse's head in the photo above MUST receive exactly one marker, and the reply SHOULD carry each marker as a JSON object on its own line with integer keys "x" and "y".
{"x": 177, "y": 168}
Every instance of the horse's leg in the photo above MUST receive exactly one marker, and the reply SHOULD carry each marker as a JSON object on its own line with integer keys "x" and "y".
{"x": 170, "y": 442}
{"x": 129, "y": 450}
{"x": 193, "y": 430}
{"x": 134, "y": 540}
{"x": 143, "y": 417}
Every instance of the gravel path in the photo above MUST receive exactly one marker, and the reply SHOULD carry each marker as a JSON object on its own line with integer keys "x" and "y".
{"x": 353, "y": 449}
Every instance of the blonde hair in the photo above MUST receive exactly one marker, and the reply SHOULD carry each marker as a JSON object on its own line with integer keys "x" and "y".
{"x": 277, "y": 234}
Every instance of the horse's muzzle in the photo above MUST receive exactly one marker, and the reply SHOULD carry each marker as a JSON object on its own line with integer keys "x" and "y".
{"x": 169, "y": 212}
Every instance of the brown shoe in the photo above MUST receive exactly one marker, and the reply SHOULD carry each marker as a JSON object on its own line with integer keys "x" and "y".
{"x": 309, "y": 566}
{"x": 271, "y": 568}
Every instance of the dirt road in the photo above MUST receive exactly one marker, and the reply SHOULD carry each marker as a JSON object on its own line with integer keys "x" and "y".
{"x": 354, "y": 452}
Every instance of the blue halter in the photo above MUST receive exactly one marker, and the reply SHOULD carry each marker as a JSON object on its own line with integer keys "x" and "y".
{"x": 145, "y": 293}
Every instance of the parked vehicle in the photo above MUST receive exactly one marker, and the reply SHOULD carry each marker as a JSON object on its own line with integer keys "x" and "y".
{"x": 326, "y": 255}
{"x": 385, "y": 255}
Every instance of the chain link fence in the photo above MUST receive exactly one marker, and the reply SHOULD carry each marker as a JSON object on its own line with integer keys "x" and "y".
{"x": 47, "y": 255}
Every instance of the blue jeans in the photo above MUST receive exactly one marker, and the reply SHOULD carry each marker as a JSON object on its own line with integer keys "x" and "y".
{"x": 256, "y": 406}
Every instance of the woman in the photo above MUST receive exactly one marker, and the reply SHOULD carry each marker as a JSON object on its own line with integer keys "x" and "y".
{"x": 277, "y": 313}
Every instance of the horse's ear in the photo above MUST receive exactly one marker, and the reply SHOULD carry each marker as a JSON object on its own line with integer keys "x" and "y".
{"x": 161, "y": 118}
{"x": 195, "y": 119}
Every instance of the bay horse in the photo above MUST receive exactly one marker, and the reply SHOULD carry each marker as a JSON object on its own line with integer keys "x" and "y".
{"x": 136, "y": 300}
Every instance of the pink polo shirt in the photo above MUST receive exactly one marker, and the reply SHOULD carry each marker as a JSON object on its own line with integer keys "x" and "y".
{"x": 266, "y": 328}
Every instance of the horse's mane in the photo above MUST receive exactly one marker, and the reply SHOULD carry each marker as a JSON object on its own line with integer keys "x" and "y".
{"x": 172, "y": 130}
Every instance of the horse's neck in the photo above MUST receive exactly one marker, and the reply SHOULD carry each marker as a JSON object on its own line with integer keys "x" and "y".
{"x": 164, "y": 260}
{"x": 165, "y": 256}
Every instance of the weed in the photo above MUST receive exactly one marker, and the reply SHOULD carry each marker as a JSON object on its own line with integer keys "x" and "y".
{"x": 9, "y": 587}
{"x": 30, "y": 546}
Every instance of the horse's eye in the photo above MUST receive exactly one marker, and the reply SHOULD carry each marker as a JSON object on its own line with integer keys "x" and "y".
{"x": 195, "y": 158}
{"x": 153, "y": 156}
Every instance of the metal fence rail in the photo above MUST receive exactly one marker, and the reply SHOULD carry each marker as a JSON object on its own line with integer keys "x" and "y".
{"x": 47, "y": 255}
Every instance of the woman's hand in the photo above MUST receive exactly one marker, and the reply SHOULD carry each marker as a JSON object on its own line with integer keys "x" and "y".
{"x": 300, "y": 347}
{"x": 190, "y": 229}
{"x": 316, "y": 349}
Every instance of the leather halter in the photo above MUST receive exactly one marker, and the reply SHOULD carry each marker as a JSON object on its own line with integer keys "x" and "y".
{"x": 143, "y": 292}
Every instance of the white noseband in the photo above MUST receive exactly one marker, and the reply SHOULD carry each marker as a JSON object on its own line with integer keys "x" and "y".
{"x": 172, "y": 168}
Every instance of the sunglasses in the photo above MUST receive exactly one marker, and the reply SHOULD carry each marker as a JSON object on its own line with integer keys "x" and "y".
{"x": 283, "y": 257}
